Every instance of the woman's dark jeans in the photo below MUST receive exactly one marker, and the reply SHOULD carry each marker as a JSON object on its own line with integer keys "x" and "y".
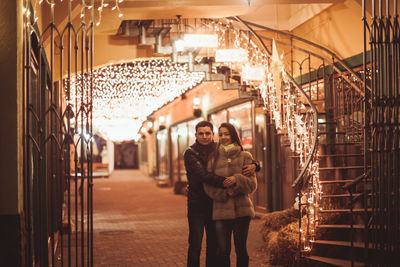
{"x": 240, "y": 229}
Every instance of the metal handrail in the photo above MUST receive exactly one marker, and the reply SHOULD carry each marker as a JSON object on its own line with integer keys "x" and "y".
{"x": 332, "y": 54}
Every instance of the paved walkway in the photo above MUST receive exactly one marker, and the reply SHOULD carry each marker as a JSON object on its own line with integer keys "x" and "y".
{"x": 137, "y": 223}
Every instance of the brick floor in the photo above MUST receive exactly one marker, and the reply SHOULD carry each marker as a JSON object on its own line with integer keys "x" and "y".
{"x": 137, "y": 223}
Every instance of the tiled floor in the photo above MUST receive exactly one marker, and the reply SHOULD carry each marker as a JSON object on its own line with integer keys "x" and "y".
{"x": 137, "y": 223}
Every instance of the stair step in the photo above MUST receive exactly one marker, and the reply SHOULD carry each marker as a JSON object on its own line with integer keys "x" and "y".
{"x": 327, "y": 122}
{"x": 339, "y": 195}
{"x": 330, "y": 132}
{"x": 334, "y": 155}
{"x": 341, "y": 155}
{"x": 335, "y": 181}
{"x": 343, "y": 210}
{"x": 339, "y": 243}
{"x": 340, "y": 168}
{"x": 333, "y": 261}
{"x": 341, "y": 226}
{"x": 340, "y": 144}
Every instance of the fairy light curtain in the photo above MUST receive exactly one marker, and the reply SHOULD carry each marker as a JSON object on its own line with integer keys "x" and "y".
{"x": 125, "y": 94}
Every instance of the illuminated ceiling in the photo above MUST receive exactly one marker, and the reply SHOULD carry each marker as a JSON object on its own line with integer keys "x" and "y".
{"x": 277, "y": 14}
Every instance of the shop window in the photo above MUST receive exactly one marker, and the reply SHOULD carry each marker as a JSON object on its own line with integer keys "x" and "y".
{"x": 240, "y": 117}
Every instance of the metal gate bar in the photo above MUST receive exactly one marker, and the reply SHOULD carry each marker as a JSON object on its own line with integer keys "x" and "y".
{"x": 382, "y": 37}
{"x": 58, "y": 180}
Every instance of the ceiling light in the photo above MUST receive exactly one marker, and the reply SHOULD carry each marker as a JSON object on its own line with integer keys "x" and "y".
{"x": 179, "y": 45}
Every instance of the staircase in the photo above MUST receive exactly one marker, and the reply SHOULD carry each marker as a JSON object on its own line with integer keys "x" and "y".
{"x": 339, "y": 237}
{"x": 350, "y": 215}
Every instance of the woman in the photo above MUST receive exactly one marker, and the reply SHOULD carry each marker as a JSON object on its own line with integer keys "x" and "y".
{"x": 232, "y": 207}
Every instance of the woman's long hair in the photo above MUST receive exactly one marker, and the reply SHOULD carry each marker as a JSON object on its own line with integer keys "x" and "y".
{"x": 234, "y": 137}
{"x": 233, "y": 133}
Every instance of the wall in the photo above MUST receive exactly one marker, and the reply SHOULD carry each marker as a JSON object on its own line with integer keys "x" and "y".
{"x": 338, "y": 28}
{"x": 123, "y": 49}
{"x": 11, "y": 106}
{"x": 11, "y": 198}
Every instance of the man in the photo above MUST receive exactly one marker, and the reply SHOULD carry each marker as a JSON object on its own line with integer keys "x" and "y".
{"x": 199, "y": 204}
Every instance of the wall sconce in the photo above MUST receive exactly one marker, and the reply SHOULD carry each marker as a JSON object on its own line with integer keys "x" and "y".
{"x": 161, "y": 123}
{"x": 196, "y": 107}
{"x": 196, "y": 101}
{"x": 149, "y": 125}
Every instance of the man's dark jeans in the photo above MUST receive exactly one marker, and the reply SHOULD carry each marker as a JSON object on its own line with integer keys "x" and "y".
{"x": 198, "y": 220}
{"x": 240, "y": 229}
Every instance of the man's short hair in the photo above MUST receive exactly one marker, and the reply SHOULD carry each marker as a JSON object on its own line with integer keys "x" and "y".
{"x": 204, "y": 124}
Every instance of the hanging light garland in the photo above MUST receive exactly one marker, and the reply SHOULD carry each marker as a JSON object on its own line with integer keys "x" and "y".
{"x": 125, "y": 94}
{"x": 105, "y": 5}
{"x": 84, "y": 6}
{"x": 287, "y": 111}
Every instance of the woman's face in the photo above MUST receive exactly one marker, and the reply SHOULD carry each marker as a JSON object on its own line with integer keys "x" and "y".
{"x": 224, "y": 136}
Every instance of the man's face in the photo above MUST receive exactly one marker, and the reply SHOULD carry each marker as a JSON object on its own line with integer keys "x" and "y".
{"x": 204, "y": 135}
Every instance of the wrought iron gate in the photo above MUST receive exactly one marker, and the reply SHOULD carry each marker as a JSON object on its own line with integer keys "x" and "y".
{"x": 58, "y": 200}
{"x": 382, "y": 38}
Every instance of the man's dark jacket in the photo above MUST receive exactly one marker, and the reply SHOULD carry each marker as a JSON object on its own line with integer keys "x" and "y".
{"x": 195, "y": 158}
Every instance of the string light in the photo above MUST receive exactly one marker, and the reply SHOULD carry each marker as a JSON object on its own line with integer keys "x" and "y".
{"x": 289, "y": 114}
{"x": 129, "y": 92}
{"x": 104, "y": 5}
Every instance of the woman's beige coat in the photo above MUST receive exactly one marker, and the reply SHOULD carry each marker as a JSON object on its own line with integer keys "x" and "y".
{"x": 238, "y": 203}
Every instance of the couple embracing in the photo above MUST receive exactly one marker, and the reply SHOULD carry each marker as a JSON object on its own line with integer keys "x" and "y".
{"x": 220, "y": 179}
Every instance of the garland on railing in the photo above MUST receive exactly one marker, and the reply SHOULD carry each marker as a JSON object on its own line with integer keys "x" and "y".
{"x": 292, "y": 117}
{"x": 286, "y": 107}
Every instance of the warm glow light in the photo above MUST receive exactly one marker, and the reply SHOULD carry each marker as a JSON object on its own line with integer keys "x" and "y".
{"x": 125, "y": 94}
{"x": 231, "y": 55}
{"x": 179, "y": 45}
{"x": 196, "y": 101}
{"x": 253, "y": 73}
{"x": 200, "y": 40}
